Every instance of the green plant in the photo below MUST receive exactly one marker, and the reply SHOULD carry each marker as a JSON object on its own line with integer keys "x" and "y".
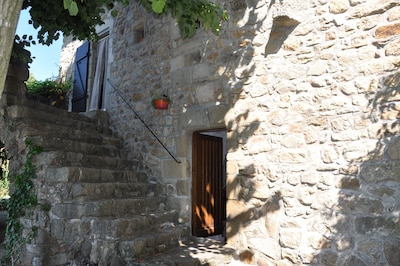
{"x": 162, "y": 96}
{"x": 18, "y": 53}
{"x": 190, "y": 14}
{"x": 53, "y": 90}
{"x": 3, "y": 163}
{"x": 22, "y": 199}
{"x": 79, "y": 18}
{"x": 4, "y": 183}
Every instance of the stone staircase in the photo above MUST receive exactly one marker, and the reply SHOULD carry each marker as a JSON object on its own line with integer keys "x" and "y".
{"x": 96, "y": 207}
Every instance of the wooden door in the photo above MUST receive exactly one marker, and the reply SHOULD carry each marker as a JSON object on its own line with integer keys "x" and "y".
{"x": 208, "y": 197}
{"x": 80, "y": 78}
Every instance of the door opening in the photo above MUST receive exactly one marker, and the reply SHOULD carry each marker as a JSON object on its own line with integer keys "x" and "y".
{"x": 208, "y": 183}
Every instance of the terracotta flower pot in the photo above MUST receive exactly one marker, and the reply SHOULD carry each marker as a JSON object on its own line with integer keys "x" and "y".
{"x": 161, "y": 103}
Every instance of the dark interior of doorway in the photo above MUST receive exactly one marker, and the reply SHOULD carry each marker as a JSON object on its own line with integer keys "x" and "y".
{"x": 209, "y": 183}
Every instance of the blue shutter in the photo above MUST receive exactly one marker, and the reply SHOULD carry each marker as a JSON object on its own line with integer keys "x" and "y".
{"x": 81, "y": 66}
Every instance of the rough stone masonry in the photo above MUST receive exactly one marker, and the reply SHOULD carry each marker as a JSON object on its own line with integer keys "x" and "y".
{"x": 308, "y": 92}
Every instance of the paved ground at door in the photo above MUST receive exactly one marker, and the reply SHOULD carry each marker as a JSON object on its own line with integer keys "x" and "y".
{"x": 208, "y": 251}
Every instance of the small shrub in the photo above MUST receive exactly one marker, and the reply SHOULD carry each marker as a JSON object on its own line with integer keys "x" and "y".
{"x": 54, "y": 92}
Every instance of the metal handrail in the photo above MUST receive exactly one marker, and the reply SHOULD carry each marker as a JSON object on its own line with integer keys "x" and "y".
{"x": 141, "y": 120}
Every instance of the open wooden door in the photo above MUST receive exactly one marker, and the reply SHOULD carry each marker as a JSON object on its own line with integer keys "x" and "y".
{"x": 208, "y": 197}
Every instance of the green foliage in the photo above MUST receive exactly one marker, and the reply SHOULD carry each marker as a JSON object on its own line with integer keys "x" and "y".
{"x": 19, "y": 53}
{"x": 4, "y": 183}
{"x": 3, "y": 163}
{"x": 53, "y": 90}
{"x": 23, "y": 198}
{"x": 50, "y": 18}
{"x": 4, "y": 190}
{"x": 190, "y": 15}
{"x": 79, "y": 18}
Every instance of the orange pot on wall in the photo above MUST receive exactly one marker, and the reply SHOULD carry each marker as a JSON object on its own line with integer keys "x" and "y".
{"x": 160, "y": 103}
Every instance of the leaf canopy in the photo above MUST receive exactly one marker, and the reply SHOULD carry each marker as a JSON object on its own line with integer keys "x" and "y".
{"x": 79, "y": 18}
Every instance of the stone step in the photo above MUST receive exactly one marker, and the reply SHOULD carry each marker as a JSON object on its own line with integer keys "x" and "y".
{"x": 87, "y": 135}
{"x": 107, "y": 208}
{"x": 150, "y": 243}
{"x": 58, "y": 158}
{"x": 130, "y": 251}
{"x": 97, "y": 191}
{"x": 129, "y": 227}
{"x": 56, "y": 116}
{"x": 86, "y": 192}
{"x": 58, "y": 144}
{"x": 74, "y": 174}
{"x": 112, "y": 228}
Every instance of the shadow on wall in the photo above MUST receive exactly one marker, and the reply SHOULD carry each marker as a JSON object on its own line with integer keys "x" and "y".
{"x": 254, "y": 203}
{"x": 364, "y": 219}
{"x": 250, "y": 199}
{"x": 358, "y": 221}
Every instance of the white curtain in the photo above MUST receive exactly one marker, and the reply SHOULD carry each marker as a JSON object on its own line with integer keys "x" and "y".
{"x": 99, "y": 81}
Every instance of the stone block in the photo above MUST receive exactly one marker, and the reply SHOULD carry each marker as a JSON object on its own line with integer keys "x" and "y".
{"x": 348, "y": 183}
{"x": 387, "y": 31}
{"x": 201, "y": 72}
{"x": 344, "y": 243}
{"x": 273, "y": 215}
{"x": 329, "y": 258}
{"x": 369, "y": 8}
{"x": 347, "y": 135}
{"x": 290, "y": 238}
{"x": 233, "y": 187}
{"x": 237, "y": 211}
{"x": 291, "y": 156}
{"x": 183, "y": 144}
{"x": 182, "y": 204}
{"x": 384, "y": 226}
{"x": 232, "y": 168}
{"x": 206, "y": 93}
{"x": 383, "y": 190}
{"x": 181, "y": 78}
{"x": 183, "y": 187}
{"x": 370, "y": 250}
{"x": 172, "y": 169}
{"x": 266, "y": 246}
{"x": 177, "y": 62}
{"x": 354, "y": 260}
{"x": 394, "y": 149}
{"x": 351, "y": 204}
{"x": 217, "y": 115}
{"x": 194, "y": 119}
{"x": 59, "y": 259}
{"x": 309, "y": 178}
{"x": 393, "y": 48}
{"x": 392, "y": 252}
{"x": 377, "y": 171}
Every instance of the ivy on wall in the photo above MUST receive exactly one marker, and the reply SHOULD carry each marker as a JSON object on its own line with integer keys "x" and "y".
{"x": 22, "y": 199}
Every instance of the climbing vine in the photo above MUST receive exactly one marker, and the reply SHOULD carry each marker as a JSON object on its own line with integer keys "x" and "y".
{"x": 22, "y": 199}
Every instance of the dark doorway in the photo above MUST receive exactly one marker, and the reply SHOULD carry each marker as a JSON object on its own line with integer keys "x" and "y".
{"x": 208, "y": 183}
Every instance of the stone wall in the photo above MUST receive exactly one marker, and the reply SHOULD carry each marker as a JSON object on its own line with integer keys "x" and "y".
{"x": 308, "y": 94}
